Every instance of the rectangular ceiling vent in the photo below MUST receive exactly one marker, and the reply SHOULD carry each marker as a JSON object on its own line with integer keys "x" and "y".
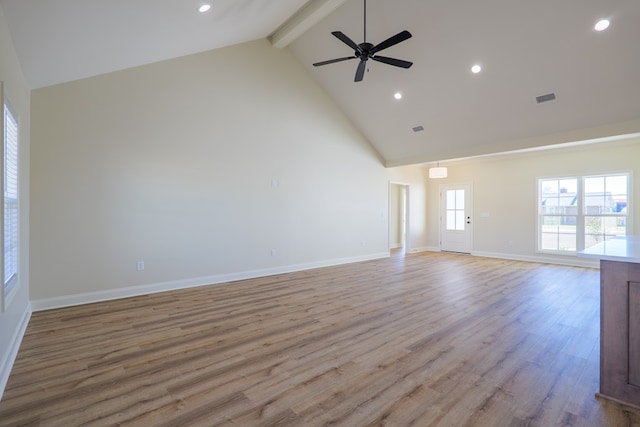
{"x": 545, "y": 98}
{"x": 418, "y": 128}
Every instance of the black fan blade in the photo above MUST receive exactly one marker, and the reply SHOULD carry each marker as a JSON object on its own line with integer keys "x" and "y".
{"x": 346, "y": 40}
{"x": 360, "y": 71}
{"x": 392, "y": 61}
{"x": 331, "y": 61}
{"x": 400, "y": 37}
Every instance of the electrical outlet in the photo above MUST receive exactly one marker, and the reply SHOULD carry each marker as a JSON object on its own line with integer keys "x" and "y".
{"x": 140, "y": 265}
{"x": 273, "y": 252}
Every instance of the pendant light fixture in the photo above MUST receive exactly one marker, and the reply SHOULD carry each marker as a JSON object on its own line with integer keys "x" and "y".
{"x": 438, "y": 172}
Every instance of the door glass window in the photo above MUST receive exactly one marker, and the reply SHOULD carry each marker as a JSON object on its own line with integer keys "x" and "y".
{"x": 455, "y": 210}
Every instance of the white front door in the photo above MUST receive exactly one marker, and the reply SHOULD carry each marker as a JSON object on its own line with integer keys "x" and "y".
{"x": 456, "y": 228}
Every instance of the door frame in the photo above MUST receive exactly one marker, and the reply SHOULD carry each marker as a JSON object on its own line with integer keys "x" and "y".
{"x": 441, "y": 207}
{"x": 407, "y": 216}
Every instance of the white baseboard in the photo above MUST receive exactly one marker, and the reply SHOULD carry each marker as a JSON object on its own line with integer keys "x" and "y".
{"x": 570, "y": 261}
{"x": 545, "y": 259}
{"x": 112, "y": 294}
{"x": 424, "y": 249}
{"x": 9, "y": 356}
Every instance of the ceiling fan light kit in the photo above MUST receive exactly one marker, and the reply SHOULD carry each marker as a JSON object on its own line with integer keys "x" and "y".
{"x": 365, "y": 51}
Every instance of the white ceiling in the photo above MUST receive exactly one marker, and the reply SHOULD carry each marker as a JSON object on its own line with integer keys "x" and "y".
{"x": 64, "y": 40}
{"x": 526, "y": 49}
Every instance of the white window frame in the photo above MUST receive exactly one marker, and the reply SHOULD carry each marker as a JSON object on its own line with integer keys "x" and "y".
{"x": 8, "y": 289}
{"x": 581, "y": 209}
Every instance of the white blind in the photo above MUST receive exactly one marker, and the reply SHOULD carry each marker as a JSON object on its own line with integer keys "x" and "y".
{"x": 10, "y": 199}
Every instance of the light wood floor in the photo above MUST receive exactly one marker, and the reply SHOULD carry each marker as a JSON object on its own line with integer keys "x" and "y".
{"x": 423, "y": 340}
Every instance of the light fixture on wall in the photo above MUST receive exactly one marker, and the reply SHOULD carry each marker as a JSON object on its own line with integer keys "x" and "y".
{"x": 438, "y": 171}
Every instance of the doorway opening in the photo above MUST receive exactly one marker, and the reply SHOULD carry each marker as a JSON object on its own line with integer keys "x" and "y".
{"x": 399, "y": 218}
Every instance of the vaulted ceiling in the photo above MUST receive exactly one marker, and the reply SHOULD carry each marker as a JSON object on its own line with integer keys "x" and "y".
{"x": 525, "y": 48}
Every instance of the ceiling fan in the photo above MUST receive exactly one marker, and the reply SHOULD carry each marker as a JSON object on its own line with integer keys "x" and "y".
{"x": 365, "y": 51}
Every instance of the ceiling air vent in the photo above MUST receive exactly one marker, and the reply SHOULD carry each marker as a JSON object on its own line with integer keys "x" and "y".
{"x": 418, "y": 128}
{"x": 544, "y": 98}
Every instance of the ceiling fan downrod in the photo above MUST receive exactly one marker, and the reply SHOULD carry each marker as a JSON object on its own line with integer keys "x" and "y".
{"x": 365, "y": 21}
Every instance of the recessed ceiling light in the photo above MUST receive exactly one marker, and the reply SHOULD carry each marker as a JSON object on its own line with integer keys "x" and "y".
{"x": 204, "y": 8}
{"x": 602, "y": 25}
{"x": 476, "y": 69}
{"x": 397, "y": 95}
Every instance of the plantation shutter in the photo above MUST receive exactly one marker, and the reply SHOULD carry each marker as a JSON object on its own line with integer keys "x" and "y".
{"x": 10, "y": 199}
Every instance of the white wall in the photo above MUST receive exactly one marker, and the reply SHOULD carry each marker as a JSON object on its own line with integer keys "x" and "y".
{"x": 200, "y": 167}
{"x": 505, "y": 187}
{"x": 13, "y": 321}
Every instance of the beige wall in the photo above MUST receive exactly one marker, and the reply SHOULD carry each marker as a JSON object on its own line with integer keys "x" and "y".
{"x": 505, "y": 187}
{"x": 13, "y": 319}
{"x": 217, "y": 165}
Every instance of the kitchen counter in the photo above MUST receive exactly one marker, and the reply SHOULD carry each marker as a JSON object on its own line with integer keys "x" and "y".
{"x": 625, "y": 249}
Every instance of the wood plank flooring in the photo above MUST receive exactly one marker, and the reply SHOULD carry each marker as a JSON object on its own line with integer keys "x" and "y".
{"x": 428, "y": 339}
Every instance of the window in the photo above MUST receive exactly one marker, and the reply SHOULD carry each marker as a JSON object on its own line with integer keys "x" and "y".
{"x": 575, "y": 213}
{"x": 558, "y": 211}
{"x": 10, "y": 200}
{"x": 605, "y": 207}
{"x": 455, "y": 210}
